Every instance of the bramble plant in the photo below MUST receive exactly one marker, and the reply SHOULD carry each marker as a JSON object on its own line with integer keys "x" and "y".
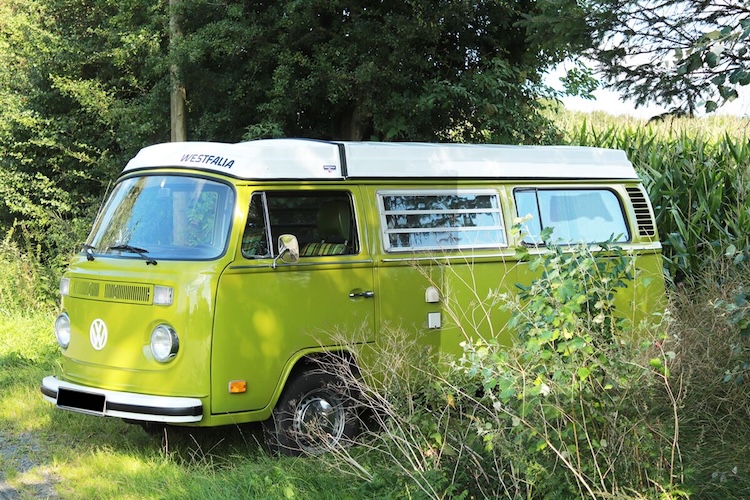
{"x": 572, "y": 390}
{"x": 737, "y": 313}
{"x": 573, "y": 408}
{"x": 738, "y": 310}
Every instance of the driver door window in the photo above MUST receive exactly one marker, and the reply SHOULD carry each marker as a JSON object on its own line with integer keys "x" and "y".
{"x": 322, "y": 221}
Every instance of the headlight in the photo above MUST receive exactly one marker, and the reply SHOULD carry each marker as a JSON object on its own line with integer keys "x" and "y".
{"x": 164, "y": 343}
{"x": 62, "y": 330}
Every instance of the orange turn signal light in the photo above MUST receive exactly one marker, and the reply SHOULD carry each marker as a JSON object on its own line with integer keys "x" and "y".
{"x": 237, "y": 386}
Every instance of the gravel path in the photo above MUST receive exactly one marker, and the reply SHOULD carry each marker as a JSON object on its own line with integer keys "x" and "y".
{"x": 6, "y": 491}
{"x": 17, "y": 452}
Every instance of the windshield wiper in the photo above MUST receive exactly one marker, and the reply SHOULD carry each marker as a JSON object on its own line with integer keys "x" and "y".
{"x": 89, "y": 251}
{"x": 140, "y": 251}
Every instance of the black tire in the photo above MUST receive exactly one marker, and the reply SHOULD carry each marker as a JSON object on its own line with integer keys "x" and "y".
{"x": 315, "y": 414}
{"x": 151, "y": 428}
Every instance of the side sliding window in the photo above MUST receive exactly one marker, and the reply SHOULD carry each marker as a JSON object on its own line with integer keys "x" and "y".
{"x": 573, "y": 215}
{"x": 441, "y": 220}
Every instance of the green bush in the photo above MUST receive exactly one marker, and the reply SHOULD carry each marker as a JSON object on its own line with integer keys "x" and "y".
{"x": 578, "y": 388}
{"x": 575, "y": 408}
{"x": 26, "y": 283}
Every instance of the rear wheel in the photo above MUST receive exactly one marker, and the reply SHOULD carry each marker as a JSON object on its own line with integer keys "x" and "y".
{"x": 314, "y": 414}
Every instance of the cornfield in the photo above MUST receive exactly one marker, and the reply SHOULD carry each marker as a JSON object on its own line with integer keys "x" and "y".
{"x": 697, "y": 172}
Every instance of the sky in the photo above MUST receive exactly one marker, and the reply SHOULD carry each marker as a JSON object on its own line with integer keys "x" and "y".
{"x": 614, "y": 104}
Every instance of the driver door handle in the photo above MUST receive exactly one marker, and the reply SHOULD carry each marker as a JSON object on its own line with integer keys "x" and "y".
{"x": 366, "y": 295}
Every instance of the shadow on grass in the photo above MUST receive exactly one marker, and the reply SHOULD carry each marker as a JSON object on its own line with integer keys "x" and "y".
{"x": 47, "y": 452}
{"x": 183, "y": 445}
{"x": 107, "y": 458}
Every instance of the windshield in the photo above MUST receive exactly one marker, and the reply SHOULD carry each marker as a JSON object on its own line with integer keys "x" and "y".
{"x": 164, "y": 217}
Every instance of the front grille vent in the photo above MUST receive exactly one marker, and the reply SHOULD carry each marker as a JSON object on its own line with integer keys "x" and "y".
{"x": 127, "y": 293}
{"x": 83, "y": 288}
{"x": 111, "y": 292}
{"x": 646, "y": 226}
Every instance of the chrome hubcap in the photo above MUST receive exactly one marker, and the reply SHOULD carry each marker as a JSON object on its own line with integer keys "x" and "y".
{"x": 319, "y": 421}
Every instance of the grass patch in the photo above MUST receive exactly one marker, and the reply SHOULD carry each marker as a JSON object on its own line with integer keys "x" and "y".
{"x": 714, "y": 413}
{"x": 217, "y": 463}
{"x": 46, "y": 451}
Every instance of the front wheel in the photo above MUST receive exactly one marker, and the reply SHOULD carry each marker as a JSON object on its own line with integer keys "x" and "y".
{"x": 315, "y": 414}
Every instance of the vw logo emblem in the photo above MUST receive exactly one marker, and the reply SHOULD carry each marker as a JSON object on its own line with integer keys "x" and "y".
{"x": 98, "y": 334}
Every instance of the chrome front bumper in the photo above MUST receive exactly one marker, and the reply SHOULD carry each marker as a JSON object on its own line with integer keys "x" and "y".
{"x": 127, "y": 405}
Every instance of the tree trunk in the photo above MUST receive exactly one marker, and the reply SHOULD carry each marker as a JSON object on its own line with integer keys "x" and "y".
{"x": 177, "y": 97}
{"x": 355, "y": 124}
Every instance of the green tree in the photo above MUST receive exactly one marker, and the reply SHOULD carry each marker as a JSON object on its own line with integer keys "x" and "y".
{"x": 682, "y": 54}
{"x": 81, "y": 91}
{"x": 85, "y": 83}
{"x": 414, "y": 70}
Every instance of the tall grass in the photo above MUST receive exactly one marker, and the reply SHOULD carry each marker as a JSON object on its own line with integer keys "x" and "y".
{"x": 697, "y": 172}
{"x": 26, "y": 284}
{"x": 710, "y": 353}
{"x": 572, "y": 410}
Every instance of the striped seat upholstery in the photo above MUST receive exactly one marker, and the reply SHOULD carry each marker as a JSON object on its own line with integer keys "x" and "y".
{"x": 334, "y": 228}
{"x": 313, "y": 249}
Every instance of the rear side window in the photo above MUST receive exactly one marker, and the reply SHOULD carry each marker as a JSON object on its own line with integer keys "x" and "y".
{"x": 441, "y": 220}
{"x": 574, "y": 215}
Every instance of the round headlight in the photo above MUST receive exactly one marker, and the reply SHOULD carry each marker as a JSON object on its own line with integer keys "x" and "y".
{"x": 62, "y": 330}
{"x": 164, "y": 343}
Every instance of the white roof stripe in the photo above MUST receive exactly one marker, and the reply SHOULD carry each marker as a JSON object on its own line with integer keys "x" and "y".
{"x": 267, "y": 159}
{"x": 485, "y": 161}
{"x": 311, "y": 159}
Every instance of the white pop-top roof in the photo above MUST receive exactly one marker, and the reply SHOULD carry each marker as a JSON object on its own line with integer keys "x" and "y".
{"x": 322, "y": 160}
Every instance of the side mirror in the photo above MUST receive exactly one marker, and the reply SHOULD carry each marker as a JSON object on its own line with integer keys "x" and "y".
{"x": 288, "y": 249}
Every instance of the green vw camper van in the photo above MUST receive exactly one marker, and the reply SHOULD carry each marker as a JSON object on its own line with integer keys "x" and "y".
{"x": 217, "y": 275}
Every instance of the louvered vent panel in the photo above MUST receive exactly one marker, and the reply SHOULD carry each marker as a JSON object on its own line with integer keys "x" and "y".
{"x": 646, "y": 226}
{"x": 127, "y": 293}
{"x": 83, "y": 288}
